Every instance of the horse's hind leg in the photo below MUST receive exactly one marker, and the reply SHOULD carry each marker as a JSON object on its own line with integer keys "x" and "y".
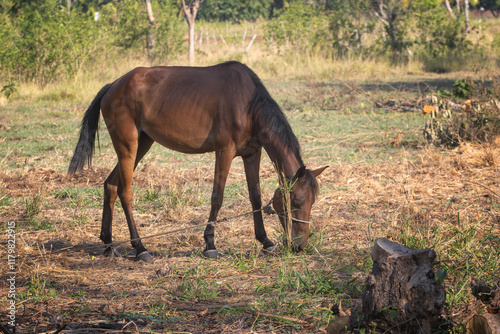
{"x": 252, "y": 166}
{"x": 110, "y": 194}
{"x": 112, "y": 188}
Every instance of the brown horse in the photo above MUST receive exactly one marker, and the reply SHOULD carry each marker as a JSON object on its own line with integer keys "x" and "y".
{"x": 223, "y": 108}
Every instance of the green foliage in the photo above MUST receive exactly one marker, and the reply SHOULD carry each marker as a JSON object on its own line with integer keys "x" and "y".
{"x": 392, "y": 311}
{"x": 438, "y": 33}
{"x": 395, "y": 40}
{"x": 169, "y": 32}
{"x": 300, "y": 26}
{"x": 9, "y": 89}
{"x": 196, "y": 286}
{"x": 43, "y": 42}
{"x": 33, "y": 205}
{"x": 234, "y": 10}
{"x": 347, "y": 26}
{"x": 496, "y": 43}
{"x": 440, "y": 42}
{"x": 38, "y": 289}
{"x": 128, "y": 21}
{"x": 130, "y": 24}
{"x": 441, "y": 275}
{"x": 423, "y": 5}
{"x": 463, "y": 88}
{"x": 5, "y": 200}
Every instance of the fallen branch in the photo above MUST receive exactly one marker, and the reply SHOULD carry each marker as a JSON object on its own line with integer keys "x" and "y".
{"x": 281, "y": 317}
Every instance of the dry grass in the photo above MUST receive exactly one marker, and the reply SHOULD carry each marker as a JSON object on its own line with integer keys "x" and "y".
{"x": 78, "y": 287}
{"x": 420, "y": 196}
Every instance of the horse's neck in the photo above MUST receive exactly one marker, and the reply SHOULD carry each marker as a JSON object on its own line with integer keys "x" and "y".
{"x": 284, "y": 159}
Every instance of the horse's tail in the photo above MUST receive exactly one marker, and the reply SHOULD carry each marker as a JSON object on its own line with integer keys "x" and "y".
{"x": 85, "y": 148}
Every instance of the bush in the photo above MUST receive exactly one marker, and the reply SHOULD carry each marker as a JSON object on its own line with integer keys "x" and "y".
{"x": 43, "y": 42}
{"x": 234, "y": 10}
{"x": 131, "y": 28}
{"x": 478, "y": 120}
{"x": 300, "y": 26}
{"x": 441, "y": 43}
{"x": 347, "y": 25}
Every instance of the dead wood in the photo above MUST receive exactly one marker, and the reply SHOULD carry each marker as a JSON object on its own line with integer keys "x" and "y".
{"x": 401, "y": 289}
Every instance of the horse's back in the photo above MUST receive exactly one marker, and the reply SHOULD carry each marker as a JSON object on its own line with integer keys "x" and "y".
{"x": 188, "y": 109}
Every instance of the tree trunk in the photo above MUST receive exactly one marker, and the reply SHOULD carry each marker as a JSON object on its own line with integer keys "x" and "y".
{"x": 466, "y": 13}
{"x": 402, "y": 289}
{"x": 151, "y": 33}
{"x": 190, "y": 11}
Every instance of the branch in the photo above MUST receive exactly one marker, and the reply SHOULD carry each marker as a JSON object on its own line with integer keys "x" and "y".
{"x": 379, "y": 11}
{"x": 192, "y": 9}
{"x": 448, "y": 7}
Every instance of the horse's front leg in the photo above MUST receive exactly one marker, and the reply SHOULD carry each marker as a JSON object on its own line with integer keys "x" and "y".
{"x": 223, "y": 159}
{"x": 252, "y": 166}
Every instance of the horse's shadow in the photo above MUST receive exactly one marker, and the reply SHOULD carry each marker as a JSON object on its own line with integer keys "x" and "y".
{"x": 97, "y": 250}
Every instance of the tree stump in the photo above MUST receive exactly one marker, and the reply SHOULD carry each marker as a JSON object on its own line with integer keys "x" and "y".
{"x": 402, "y": 288}
{"x": 487, "y": 323}
{"x": 484, "y": 324}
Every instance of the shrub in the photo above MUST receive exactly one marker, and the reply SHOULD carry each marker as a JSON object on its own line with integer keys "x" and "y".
{"x": 441, "y": 43}
{"x": 43, "y": 42}
{"x": 478, "y": 121}
{"x": 234, "y": 10}
{"x": 348, "y": 24}
{"x": 300, "y": 26}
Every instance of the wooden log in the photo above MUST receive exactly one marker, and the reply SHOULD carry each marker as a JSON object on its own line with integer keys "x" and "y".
{"x": 402, "y": 289}
{"x": 484, "y": 324}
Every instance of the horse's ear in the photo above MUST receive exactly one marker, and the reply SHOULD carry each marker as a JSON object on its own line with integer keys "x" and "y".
{"x": 318, "y": 171}
{"x": 301, "y": 172}
{"x": 298, "y": 174}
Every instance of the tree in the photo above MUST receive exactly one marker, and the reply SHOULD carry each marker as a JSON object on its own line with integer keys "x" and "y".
{"x": 190, "y": 11}
{"x": 389, "y": 12}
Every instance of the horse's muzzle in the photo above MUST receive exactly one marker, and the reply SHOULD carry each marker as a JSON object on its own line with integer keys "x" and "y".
{"x": 297, "y": 248}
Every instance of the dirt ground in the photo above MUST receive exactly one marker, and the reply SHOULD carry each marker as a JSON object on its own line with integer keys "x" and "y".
{"x": 66, "y": 285}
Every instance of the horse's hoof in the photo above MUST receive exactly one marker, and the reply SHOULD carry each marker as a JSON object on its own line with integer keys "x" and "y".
{"x": 111, "y": 252}
{"x": 145, "y": 256}
{"x": 211, "y": 253}
{"x": 271, "y": 251}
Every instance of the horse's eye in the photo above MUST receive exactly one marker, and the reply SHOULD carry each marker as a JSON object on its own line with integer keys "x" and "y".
{"x": 297, "y": 202}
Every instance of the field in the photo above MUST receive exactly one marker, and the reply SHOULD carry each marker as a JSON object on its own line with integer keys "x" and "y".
{"x": 384, "y": 180}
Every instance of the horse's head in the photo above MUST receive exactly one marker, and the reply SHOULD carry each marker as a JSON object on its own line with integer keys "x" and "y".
{"x": 304, "y": 189}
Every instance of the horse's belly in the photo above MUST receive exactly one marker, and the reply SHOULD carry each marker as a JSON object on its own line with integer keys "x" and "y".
{"x": 191, "y": 142}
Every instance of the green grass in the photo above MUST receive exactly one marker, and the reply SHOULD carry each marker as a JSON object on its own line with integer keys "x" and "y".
{"x": 40, "y": 132}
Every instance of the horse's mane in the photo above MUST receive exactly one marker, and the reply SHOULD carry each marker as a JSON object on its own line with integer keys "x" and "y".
{"x": 269, "y": 116}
